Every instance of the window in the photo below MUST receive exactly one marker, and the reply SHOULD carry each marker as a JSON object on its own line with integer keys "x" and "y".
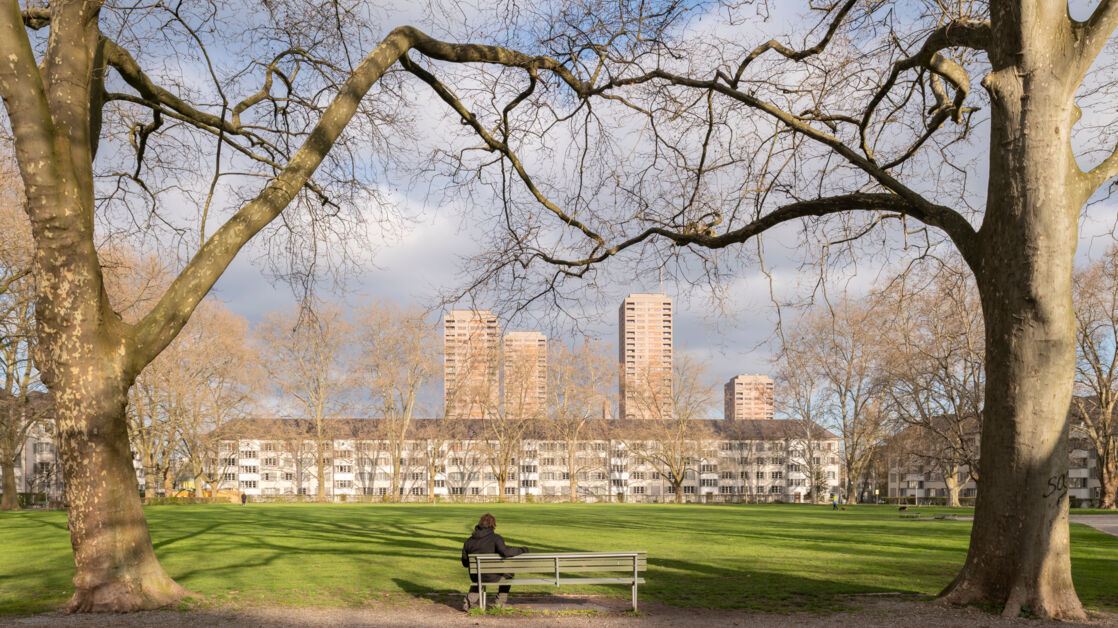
{"x": 528, "y": 483}
{"x": 598, "y": 475}
{"x": 760, "y": 461}
{"x": 776, "y": 475}
{"x": 228, "y": 476}
{"x": 418, "y": 475}
{"x": 382, "y": 490}
{"x": 43, "y": 448}
{"x": 548, "y": 462}
{"x": 229, "y": 462}
{"x": 708, "y": 468}
{"x": 475, "y": 490}
{"x": 418, "y": 490}
{"x": 457, "y": 490}
{"x": 270, "y": 462}
{"x": 637, "y": 490}
{"x": 618, "y": 483}
{"x": 510, "y": 490}
{"x": 269, "y": 446}
{"x": 289, "y": 477}
{"x": 775, "y": 489}
{"x": 617, "y": 468}
{"x": 250, "y": 469}
{"x": 440, "y": 483}
{"x": 727, "y": 475}
{"x": 689, "y": 490}
{"x": 636, "y": 475}
{"x": 343, "y": 453}
{"x": 760, "y": 475}
{"x": 529, "y": 468}
{"x": 344, "y": 483}
{"x": 248, "y": 483}
{"x": 794, "y": 467}
{"x": 708, "y": 482}
{"x": 248, "y": 453}
{"x": 267, "y": 477}
{"x": 344, "y": 468}
{"x": 726, "y": 490}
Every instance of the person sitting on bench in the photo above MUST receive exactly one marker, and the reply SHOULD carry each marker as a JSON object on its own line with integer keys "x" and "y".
{"x": 485, "y": 541}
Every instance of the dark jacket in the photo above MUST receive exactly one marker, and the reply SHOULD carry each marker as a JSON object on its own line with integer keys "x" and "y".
{"x": 486, "y": 541}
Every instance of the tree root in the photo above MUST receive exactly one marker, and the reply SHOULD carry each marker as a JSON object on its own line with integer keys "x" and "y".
{"x": 1046, "y": 604}
{"x": 122, "y": 596}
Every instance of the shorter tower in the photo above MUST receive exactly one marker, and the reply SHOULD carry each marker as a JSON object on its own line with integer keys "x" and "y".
{"x": 749, "y": 397}
{"x": 525, "y": 374}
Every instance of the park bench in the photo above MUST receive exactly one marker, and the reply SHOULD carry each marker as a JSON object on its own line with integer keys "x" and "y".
{"x": 945, "y": 515}
{"x": 559, "y": 568}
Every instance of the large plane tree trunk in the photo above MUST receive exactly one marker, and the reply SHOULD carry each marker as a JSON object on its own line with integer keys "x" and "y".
{"x": 10, "y": 499}
{"x": 1023, "y": 262}
{"x": 115, "y": 566}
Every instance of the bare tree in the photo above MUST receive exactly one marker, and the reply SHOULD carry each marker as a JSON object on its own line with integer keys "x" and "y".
{"x": 1096, "y": 317}
{"x": 268, "y": 94}
{"x": 837, "y": 348}
{"x": 871, "y": 121}
{"x": 577, "y": 385}
{"x": 22, "y": 402}
{"x": 308, "y": 360}
{"x": 672, "y": 438}
{"x": 398, "y": 358}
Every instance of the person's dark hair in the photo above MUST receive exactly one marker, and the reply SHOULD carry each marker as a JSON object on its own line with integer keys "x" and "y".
{"x": 487, "y": 521}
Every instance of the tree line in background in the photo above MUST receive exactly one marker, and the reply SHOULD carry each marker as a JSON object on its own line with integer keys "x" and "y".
{"x": 900, "y": 373}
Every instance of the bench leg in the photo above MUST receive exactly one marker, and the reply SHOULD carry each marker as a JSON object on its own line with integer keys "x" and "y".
{"x": 634, "y": 597}
{"x": 481, "y": 590}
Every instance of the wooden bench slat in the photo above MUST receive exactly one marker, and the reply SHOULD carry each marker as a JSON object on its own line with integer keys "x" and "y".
{"x": 498, "y": 566}
{"x": 558, "y": 565}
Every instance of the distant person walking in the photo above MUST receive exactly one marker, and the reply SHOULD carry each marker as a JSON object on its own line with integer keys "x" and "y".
{"x": 244, "y": 498}
{"x": 485, "y": 541}
{"x": 834, "y": 502}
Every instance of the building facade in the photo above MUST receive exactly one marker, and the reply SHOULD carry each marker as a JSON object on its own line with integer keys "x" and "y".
{"x": 917, "y": 477}
{"x": 645, "y": 341}
{"x": 749, "y": 397}
{"x": 471, "y": 348}
{"x": 747, "y": 463}
{"x": 524, "y": 373}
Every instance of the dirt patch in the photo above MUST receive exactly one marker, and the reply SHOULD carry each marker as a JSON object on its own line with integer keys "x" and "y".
{"x": 862, "y": 612}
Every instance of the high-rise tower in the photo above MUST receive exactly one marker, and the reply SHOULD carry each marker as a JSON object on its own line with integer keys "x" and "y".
{"x": 525, "y": 374}
{"x": 644, "y": 324}
{"x": 749, "y": 397}
{"x": 471, "y": 346}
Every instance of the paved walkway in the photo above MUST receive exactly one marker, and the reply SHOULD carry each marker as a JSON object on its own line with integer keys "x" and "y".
{"x": 1103, "y": 523}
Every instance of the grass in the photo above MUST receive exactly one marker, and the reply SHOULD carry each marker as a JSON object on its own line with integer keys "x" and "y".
{"x": 763, "y": 557}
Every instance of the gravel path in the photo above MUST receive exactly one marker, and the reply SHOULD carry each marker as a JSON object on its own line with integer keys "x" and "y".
{"x": 865, "y": 612}
{"x": 1104, "y": 523}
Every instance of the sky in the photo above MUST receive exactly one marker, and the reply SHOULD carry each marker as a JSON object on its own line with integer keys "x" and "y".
{"x": 418, "y": 266}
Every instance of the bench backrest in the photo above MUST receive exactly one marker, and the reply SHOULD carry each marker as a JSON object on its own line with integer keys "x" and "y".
{"x": 566, "y": 562}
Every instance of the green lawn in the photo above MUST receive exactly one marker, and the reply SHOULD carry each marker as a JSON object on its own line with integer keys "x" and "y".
{"x": 765, "y": 557}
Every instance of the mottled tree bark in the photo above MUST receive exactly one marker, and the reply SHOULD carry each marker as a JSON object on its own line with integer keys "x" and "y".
{"x": 1023, "y": 265}
{"x": 10, "y": 498}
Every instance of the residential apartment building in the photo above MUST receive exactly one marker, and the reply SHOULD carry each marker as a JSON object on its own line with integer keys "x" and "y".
{"x": 524, "y": 373}
{"x": 744, "y": 461}
{"x": 749, "y": 397}
{"x": 471, "y": 352}
{"x": 644, "y": 342}
{"x": 916, "y": 474}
